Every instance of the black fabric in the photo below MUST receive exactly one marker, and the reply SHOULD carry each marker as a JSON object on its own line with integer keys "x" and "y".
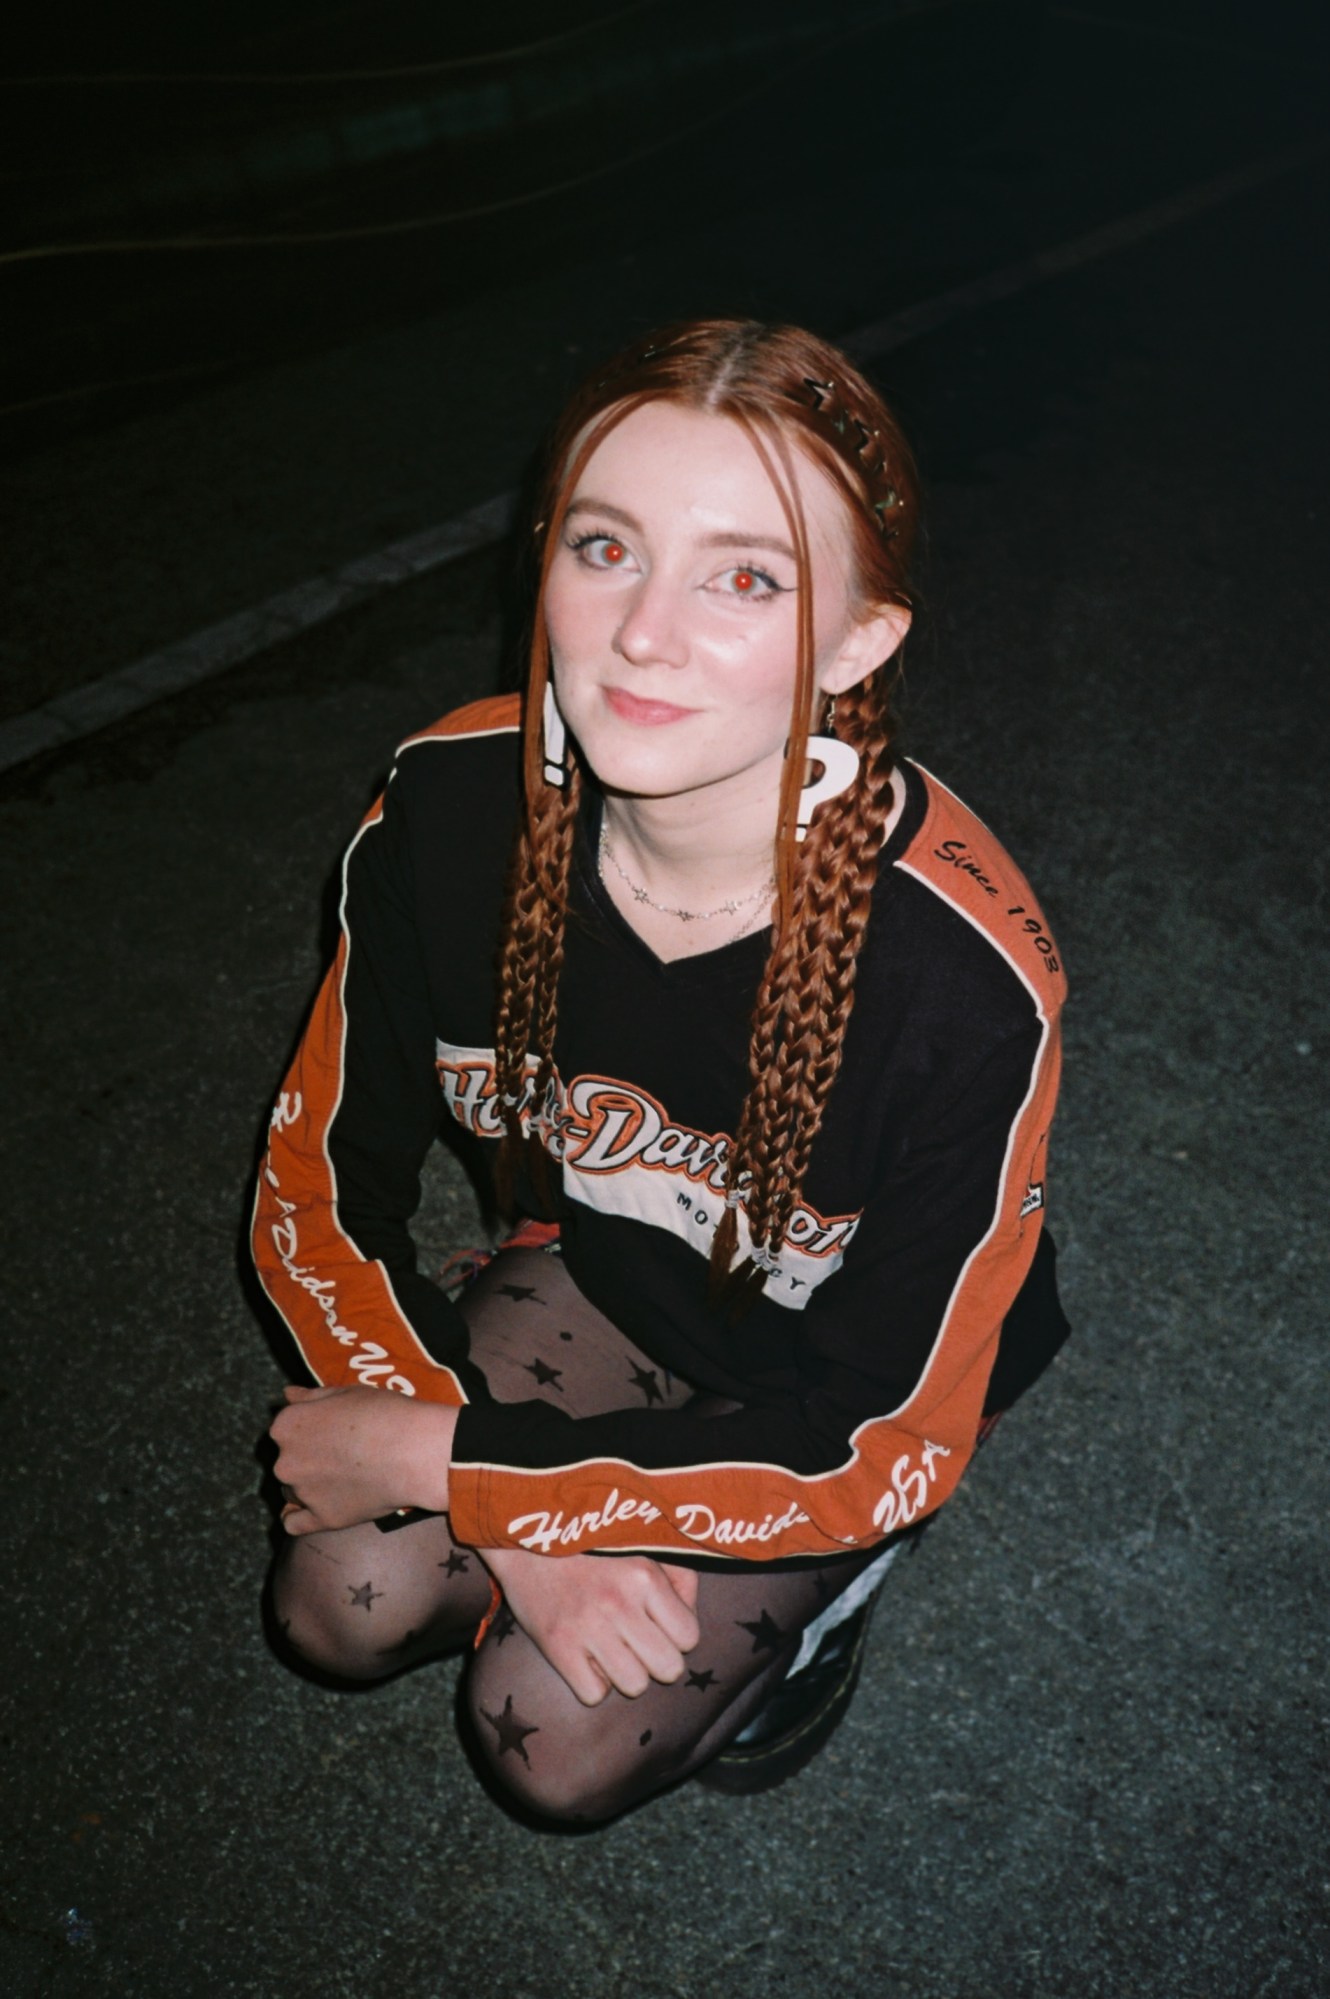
{"x": 1033, "y": 1332}
{"x": 858, "y": 1376}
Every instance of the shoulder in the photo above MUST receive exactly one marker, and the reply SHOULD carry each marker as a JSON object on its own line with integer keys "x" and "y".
{"x": 464, "y": 767}
{"x": 963, "y": 915}
{"x": 481, "y": 735}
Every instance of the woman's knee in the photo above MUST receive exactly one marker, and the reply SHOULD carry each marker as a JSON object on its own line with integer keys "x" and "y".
{"x": 533, "y": 1762}
{"x": 309, "y": 1612}
{"x": 328, "y": 1618}
{"x": 357, "y": 1605}
{"x": 574, "y": 1765}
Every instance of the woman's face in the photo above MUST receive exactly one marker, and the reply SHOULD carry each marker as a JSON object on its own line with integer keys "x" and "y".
{"x": 671, "y": 607}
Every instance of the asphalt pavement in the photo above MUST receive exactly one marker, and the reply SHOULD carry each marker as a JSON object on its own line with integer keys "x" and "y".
{"x": 1088, "y": 1753}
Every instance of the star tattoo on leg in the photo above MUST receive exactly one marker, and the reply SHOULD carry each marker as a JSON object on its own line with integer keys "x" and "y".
{"x": 706, "y": 1678}
{"x": 645, "y": 1379}
{"x": 544, "y": 1373}
{"x": 364, "y": 1598}
{"x": 521, "y": 1294}
{"x": 511, "y": 1732}
{"x": 767, "y": 1634}
{"x": 457, "y": 1563}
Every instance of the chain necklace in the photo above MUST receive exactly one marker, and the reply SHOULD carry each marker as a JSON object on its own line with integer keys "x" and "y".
{"x": 730, "y": 908}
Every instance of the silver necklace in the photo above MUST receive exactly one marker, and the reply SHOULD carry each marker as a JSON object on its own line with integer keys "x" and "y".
{"x": 730, "y": 908}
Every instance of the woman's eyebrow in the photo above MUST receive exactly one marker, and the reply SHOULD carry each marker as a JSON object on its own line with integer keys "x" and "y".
{"x": 586, "y": 503}
{"x": 724, "y": 538}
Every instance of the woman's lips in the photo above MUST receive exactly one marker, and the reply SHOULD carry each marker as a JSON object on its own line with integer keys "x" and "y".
{"x": 632, "y": 708}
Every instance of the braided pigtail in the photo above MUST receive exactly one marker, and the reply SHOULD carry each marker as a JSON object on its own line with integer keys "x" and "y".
{"x": 805, "y": 1000}
{"x": 529, "y": 963}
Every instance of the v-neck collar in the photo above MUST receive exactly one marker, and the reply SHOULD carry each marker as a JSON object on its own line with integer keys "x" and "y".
{"x": 741, "y": 959}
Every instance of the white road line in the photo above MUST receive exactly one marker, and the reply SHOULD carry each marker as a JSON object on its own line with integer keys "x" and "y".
{"x": 85, "y": 709}
{"x": 175, "y": 667}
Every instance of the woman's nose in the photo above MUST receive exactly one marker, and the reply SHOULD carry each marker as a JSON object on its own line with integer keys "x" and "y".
{"x": 652, "y": 630}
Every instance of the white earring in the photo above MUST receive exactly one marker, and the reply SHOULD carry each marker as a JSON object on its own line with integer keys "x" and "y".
{"x": 556, "y": 739}
{"x": 840, "y": 767}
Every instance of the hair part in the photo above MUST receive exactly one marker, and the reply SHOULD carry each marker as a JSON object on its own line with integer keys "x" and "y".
{"x": 787, "y": 390}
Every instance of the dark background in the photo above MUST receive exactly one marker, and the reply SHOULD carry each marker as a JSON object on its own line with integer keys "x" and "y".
{"x": 1088, "y": 1751}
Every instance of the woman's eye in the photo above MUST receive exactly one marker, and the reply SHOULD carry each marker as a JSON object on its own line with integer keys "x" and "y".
{"x": 749, "y": 583}
{"x": 599, "y": 550}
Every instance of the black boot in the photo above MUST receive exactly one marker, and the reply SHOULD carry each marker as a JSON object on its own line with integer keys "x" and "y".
{"x": 797, "y": 1717}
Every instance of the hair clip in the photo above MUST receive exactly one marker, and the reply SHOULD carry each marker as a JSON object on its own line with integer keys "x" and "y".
{"x": 883, "y": 507}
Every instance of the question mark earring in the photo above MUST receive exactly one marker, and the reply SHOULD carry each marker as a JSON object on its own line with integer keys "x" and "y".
{"x": 840, "y": 767}
{"x": 556, "y": 739}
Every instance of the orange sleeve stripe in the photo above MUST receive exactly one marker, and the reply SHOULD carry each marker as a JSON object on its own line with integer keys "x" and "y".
{"x": 341, "y": 1309}
{"x": 493, "y": 715}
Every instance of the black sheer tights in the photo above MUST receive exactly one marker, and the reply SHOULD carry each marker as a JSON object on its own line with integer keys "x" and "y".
{"x": 362, "y": 1604}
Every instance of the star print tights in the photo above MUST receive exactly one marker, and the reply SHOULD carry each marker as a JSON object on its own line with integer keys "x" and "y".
{"x": 363, "y": 1604}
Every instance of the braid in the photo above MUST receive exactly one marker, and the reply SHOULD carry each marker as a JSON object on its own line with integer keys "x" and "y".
{"x": 529, "y": 963}
{"x": 807, "y": 993}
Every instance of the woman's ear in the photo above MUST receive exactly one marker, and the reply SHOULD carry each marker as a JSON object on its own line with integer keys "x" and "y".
{"x": 865, "y": 647}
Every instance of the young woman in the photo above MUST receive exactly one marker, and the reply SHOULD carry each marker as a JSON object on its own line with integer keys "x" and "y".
{"x": 763, "y": 1018}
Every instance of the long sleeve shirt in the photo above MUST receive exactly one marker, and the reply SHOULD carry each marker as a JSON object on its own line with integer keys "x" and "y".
{"x": 860, "y": 1372}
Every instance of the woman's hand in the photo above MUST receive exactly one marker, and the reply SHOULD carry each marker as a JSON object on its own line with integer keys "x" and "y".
{"x": 602, "y": 1622}
{"x": 346, "y": 1455}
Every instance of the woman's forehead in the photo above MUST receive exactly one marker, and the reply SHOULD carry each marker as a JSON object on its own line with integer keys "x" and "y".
{"x": 668, "y": 458}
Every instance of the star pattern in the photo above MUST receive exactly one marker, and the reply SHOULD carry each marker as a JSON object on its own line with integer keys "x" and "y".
{"x": 706, "y": 1678}
{"x": 645, "y": 1379}
{"x": 504, "y": 1624}
{"x": 545, "y": 1375}
{"x": 402, "y": 1645}
{"x": 767, "y": 1634}
{"x": 644, "y": 1738}
{"x": 521, "y": 1294}
{"x": 457, "y": 1563}
{"x": 363, "y": 1598}
{"x": 565, "y": 1336}
{"x": 511, "y": 1732}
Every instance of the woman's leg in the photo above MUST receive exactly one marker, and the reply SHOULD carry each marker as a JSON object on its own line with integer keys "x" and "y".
{"x": 572, "y": 1762}
{"x": 361, "y": 1603}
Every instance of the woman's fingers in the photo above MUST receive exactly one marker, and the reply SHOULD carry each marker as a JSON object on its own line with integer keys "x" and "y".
{"x": 600, "y": 1624}
{"x": 625, "y": 1670}
{"x": 675, "y": 1617}
{"x": 581, "y": 1674}
{"x": 682, "y": 1581}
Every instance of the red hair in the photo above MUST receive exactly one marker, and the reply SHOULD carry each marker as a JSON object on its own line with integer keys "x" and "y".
{"x": 788, "y": 391}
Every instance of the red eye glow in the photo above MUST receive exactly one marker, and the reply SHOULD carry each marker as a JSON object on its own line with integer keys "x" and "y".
{"x": 613, "y": 551}
{"x": 744, "y": 580}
